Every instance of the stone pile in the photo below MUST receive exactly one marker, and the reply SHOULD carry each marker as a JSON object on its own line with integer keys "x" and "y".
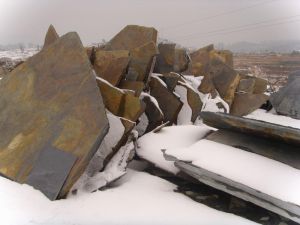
{"x": 70, "y": 113}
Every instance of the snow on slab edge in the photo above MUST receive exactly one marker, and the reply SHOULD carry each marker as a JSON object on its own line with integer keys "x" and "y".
{"x": 260, "y": 173}
{"x": 271, "y": 117}
{"x": 150, "y": 145}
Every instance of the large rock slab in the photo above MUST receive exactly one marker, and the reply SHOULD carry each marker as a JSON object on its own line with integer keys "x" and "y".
{"x": 279, "y": 151}
{"x": 225, "y": 80}
{"x": 132, "y": 36}
{"x": 51, "y": 36}
{"x": 141, "y": 60}
{"x": 245, "y": 103}
{"x": 254, "y": 127}
{"x": 111, "y": 65}
{"x": 171, "y": 59}
{"x": 51, "y": 102}
{"x": 287, "y": 100}
{"x": 169, "y": 103}
{"x": 136, "y": 86}
{"x": 119, "y": 102}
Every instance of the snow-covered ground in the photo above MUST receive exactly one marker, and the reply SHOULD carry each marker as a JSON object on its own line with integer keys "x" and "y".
{"x": 137, "y": 198}
{"x": 17, "y": 54}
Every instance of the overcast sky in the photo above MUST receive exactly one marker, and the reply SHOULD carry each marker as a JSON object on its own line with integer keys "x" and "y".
{"x": 191, "y": 23}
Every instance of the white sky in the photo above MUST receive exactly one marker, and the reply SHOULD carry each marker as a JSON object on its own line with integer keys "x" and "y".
{"x": 184, "y": 21}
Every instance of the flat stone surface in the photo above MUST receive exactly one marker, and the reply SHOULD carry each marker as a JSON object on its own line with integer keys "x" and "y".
{"x": 111, "y": 65}
{"x": 136, "y": 86}
{"x": 121, "y": 103}
{"x": 245, "y": 103}
{"x": 51, "y": 36}
{"x": 246, "y": 85}
{"x": 171, "y": 80}
{"x": 51, "y": 100}
{"x": 132, "y": 36}
{"x": 141, "y": 60}
{"x": 168, "y": 101}
{"x": 279, "y": 151}
{"x": 165, "y": 60}
{"x": 50, "y": 171}
{"x": 254, "y": 127}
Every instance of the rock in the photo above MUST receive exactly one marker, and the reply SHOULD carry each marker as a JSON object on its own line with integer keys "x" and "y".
{"x": 225, "y": 80}
{"x": 225, "y": 56}
{"x": 51, "y": 36}
{"x": 286, "y": 101}
{"x": 192, "y": 103}
{"x": 141, "y": 60}
{"x": 293, "y": 76}
{"x": 200, "y": 61}
{"x": 153, "y": 113}
{"x": 245, "y": 103}
{"x": 260, "y": 86}
{"x": 111, "y": 65}
{"x": 120, "y": 103}
{"x": 165, "y": 60}
{"x": 253, "y": 127}
{"x": 171, "y": 59}
{"x": 136, "y": 86}
{"x": 246, "y": 85}
{"x": 207, "y": 86}
{"x": 132, "y": 36}
{"x": 181, "y": 60}
{"x": 55, "y": 119}
{"x": 168, "y": 101}
{"x": 91, "y": 52}
{"x": 170, "y": 79}
{"x": 2, "y": 71}
{"x": 271, "y": 149}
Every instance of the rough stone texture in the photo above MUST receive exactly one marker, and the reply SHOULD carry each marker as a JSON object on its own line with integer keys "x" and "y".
{"x": 207, "y": 86}
{"x": 141, "y": 60}
{"x": 165, "y": 60}
{"x": 154, "y": 114}
{"x": 246, "y": 85}
{"x": 225, "y": 80}
{"x": 111, "y": 65}
{"x": 51, "y": 36}
{"x": 171, "y": 59}
{"x": 2, "y": 71}
{"x": 171, "y": 80}
{"x": 225, "y": 56}
{"x": 51, "y": 100}
{"x": 132, "y": 36}
{"x": 121, "y": 103}
{"x": 260, "y": 86}
{"x": 136, "y": 86}
{"x": 245, "y": 103}
{"x": 200, "y": 61}
{"x": 194, "y": 101}
{"x": 168, "y": 101}
{"x": 287, "y": 101}
{"x": 254, "y": 127}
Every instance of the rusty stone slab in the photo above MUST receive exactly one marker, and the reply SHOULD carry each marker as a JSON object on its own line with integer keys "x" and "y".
{"x": 111, "y": 65}
{"x": 51, "y": 100}
{"x": 254, "y": 127}
{"x": 136, "y": 86}
{"x": 51, "y": 36}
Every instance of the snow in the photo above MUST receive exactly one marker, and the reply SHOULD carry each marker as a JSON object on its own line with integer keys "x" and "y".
{"x": 260, "y": 173}
{"x": 210, "y": 104}
{"x": 272, "y": 117}
{"x": 157, "y": 77}
{"x": 185, "y": 114}
{"x": 115, "y": 169}
{"x": 141, "y": 127}
{"x": 109, "y": 84}
{"x": 153, "y": 100}
{"x": 193, "y": 81}
{"x": 137, "y": 198}
{"x": 17, "y": 54}
{"x": 150, "y": 145}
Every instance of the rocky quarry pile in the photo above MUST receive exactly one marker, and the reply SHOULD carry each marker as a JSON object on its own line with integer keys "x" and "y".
{"x": 73, "y": 117}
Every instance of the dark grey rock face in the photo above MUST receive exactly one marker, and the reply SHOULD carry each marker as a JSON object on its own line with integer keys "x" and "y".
{"x": 287, "y": 100}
